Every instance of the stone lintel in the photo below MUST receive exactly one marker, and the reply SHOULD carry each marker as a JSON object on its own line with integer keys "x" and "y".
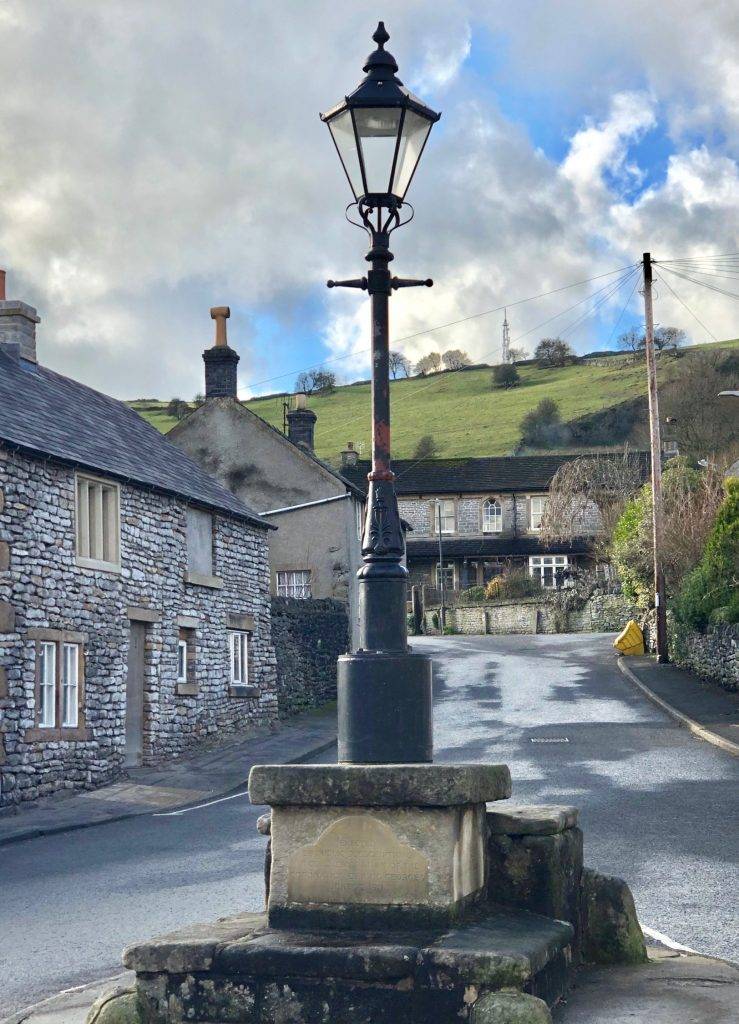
{"x": 535, "y": 820}
{"x": 235, "y": 620}
{"x": 188, "y": 621}
{"x": 387, "y": 785}
{"x": 135, "y": 614}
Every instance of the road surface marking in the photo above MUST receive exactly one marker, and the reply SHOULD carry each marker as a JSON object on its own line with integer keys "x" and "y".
{"x": 652, "y": 933}
{"x": 197, "y": 807}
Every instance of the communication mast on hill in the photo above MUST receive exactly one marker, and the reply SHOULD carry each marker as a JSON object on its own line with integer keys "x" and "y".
{"x": 506, "y": 338}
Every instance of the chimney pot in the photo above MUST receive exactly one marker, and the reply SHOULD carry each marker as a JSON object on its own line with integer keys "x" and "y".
{"x": 220, "y": 360}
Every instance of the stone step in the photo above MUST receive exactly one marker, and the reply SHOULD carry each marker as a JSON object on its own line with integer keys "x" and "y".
{"x": 243, "y": 971}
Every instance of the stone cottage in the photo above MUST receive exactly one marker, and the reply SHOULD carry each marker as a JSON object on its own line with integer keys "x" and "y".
{"x": 134, "y": 589}
{"x": 316, "y": 550}
{"x": 488, "y": 512}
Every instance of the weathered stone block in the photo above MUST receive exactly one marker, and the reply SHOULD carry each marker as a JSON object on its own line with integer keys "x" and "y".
{"x": 7, "y": 617}
{"x": 392, "y": 785}
{"x": 534, "y": 820}
{"x": 4, "y": 556}
{"x": 611, "y": 931}
{"x": 352, "y": 866}
{"x": 540, "y": 873}
{"x": 120, "y": 1006}
{"x": 510, "y": 1008}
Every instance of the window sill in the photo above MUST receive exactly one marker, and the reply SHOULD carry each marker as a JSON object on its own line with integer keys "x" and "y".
{"x": 241, "y": 690}
{"x": 199, "y": 579}
{"x": 92, "y": 563}
{"x": 39, "y": 735}
{"x": 186, "y": 689}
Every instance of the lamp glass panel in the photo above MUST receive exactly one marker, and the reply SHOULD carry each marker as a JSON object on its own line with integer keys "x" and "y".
{"x": 377, "y": 128}
{"x": 415, "y": 132}
{"x": 342, "y": 131}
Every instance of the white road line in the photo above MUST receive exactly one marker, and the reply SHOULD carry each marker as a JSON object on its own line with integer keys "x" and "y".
{"x": 197, "y": 807}
{"x": 652, "y": 933}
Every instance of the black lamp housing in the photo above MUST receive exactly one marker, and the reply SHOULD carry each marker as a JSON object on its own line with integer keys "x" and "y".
{"x": 380, "y": 131}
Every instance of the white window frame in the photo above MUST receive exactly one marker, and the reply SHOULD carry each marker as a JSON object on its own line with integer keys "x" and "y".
{"x": 47, "y": 685}
{"x": 539, "y": 564}
{"x": 297, "y": 583}
{"x": 238, "y": 641}
{"x": 535, "y": 517}
{"x": 443, "y": 504}
{"x": 492, "y": 516}
{"x": 182, "y": 661}
{"x": 70, "y": 683}
{"x": 98, "y": 523}
{"x": 447, "y": 569}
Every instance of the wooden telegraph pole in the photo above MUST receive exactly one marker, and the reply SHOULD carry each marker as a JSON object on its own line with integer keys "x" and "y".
{"x": 656, "y": 459}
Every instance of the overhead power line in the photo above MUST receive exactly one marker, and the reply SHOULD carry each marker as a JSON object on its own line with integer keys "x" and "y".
{"x": 441, "y": 327}
{"x": 683, "y": 303}
{"x": 703, "y": 284}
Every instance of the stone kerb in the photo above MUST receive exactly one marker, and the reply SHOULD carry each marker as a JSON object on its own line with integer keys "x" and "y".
{"x": 359, "y": 846}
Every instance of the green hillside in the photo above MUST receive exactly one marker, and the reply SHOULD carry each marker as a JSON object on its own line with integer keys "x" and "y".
{"x": 459, "y": 409}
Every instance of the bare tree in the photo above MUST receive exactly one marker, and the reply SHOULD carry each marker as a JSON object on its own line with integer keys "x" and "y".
{"x": 632, "y": 341}
{"x": 400, "y": 365}
{"x": 428, "y": 363}
{"x": 517, "y": 355}
{"x": 587, "y": 496}
{"x": 311, "y": 381}
{"x": 426, "y": 448}
{"x": 455, "y": 359}
{"x": 178, "y": 408}
{"x": 668, "y": 337}
{"x": 702, "y": 425}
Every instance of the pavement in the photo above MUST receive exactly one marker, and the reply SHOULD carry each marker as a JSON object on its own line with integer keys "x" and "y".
{"x": 179, "y": 784}
{"x": 704, "y": 708}
{"x": 657, "y": 806}
{"x": 673, "y": 988}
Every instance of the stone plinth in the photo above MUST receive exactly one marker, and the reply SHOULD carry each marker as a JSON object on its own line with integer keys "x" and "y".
{"x": 360, "y": 846}
{"x": 241, "y": 970}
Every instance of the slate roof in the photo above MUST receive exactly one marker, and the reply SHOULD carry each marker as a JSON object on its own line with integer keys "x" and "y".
{"x": 492, "y": 547}
{"x": 48, "y": 415}
{"x": 472, "y": 476}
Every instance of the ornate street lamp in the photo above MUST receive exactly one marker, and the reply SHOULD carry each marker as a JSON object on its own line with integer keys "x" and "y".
{"x": 384, "y": 690}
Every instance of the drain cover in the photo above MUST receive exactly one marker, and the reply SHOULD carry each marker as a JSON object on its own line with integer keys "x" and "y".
{"x": 549, "y": 739}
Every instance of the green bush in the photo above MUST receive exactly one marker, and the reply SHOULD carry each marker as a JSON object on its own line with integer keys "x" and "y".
{"x": 472, "y": 595}
{"x": 710, "y": 593}
{"x": 631, "y": 550}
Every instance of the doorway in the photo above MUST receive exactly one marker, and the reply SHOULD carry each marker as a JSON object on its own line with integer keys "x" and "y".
{"x": 135, "y": 694}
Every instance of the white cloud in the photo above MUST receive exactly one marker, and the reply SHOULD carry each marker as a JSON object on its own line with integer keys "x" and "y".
{"x": 162, "y": 158}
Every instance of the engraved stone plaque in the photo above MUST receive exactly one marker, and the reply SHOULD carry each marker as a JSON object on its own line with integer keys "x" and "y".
{"x": 358, "y": 859}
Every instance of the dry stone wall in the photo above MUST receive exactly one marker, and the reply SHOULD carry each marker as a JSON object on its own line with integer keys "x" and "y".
{"x": 308, "y": 638}
{"x": 602, "y": 613}
{"x": 43, "y": 587}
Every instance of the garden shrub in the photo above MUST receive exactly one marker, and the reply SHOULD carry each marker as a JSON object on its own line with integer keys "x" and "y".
{"x": 710, "y": 593}
{"x": 512, "y": 585}
{"x": 472, "y": 595}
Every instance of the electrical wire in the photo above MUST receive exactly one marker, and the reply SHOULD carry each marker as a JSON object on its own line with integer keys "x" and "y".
{"x": 440, "y": 327}
{"x": 683, "y": 303}
{"x": 703, "y": 284}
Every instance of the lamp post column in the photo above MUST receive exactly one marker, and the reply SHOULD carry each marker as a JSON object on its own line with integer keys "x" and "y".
{"x": 384, "y": 690}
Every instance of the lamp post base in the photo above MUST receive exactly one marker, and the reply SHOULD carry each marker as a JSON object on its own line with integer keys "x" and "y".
{"x": 384, "y": 708}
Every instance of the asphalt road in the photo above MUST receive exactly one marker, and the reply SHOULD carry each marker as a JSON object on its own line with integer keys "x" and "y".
{"x": 659, "y": 808}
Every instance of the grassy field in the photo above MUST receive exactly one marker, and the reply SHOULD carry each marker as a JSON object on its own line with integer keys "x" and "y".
{"x": 460, "y": 410}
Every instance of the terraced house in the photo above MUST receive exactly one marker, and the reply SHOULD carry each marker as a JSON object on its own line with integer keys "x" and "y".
{"x": 487, "y": 514}
{"x": 134, "y": 589}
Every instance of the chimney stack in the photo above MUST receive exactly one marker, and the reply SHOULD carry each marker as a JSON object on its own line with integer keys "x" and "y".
{"x": 220, "y": 361}
{"x": 17, "y": 326}
{"x": 301, "y": 423}
{"x": 349, "y": 456}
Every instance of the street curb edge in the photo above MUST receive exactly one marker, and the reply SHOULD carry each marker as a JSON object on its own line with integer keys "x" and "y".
{"x": 682, "y": 719}
{"x": 55, "y": 830}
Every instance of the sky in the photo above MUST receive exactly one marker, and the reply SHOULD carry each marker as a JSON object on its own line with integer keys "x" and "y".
{"x": 161, "y": 157}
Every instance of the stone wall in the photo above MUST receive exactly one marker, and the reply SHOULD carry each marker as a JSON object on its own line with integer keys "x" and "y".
{"x": 308, "y": 637}
{"x": 602, "y": 613}
{"x": 42, "y": 587}
{"x": 713, "y": 655}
